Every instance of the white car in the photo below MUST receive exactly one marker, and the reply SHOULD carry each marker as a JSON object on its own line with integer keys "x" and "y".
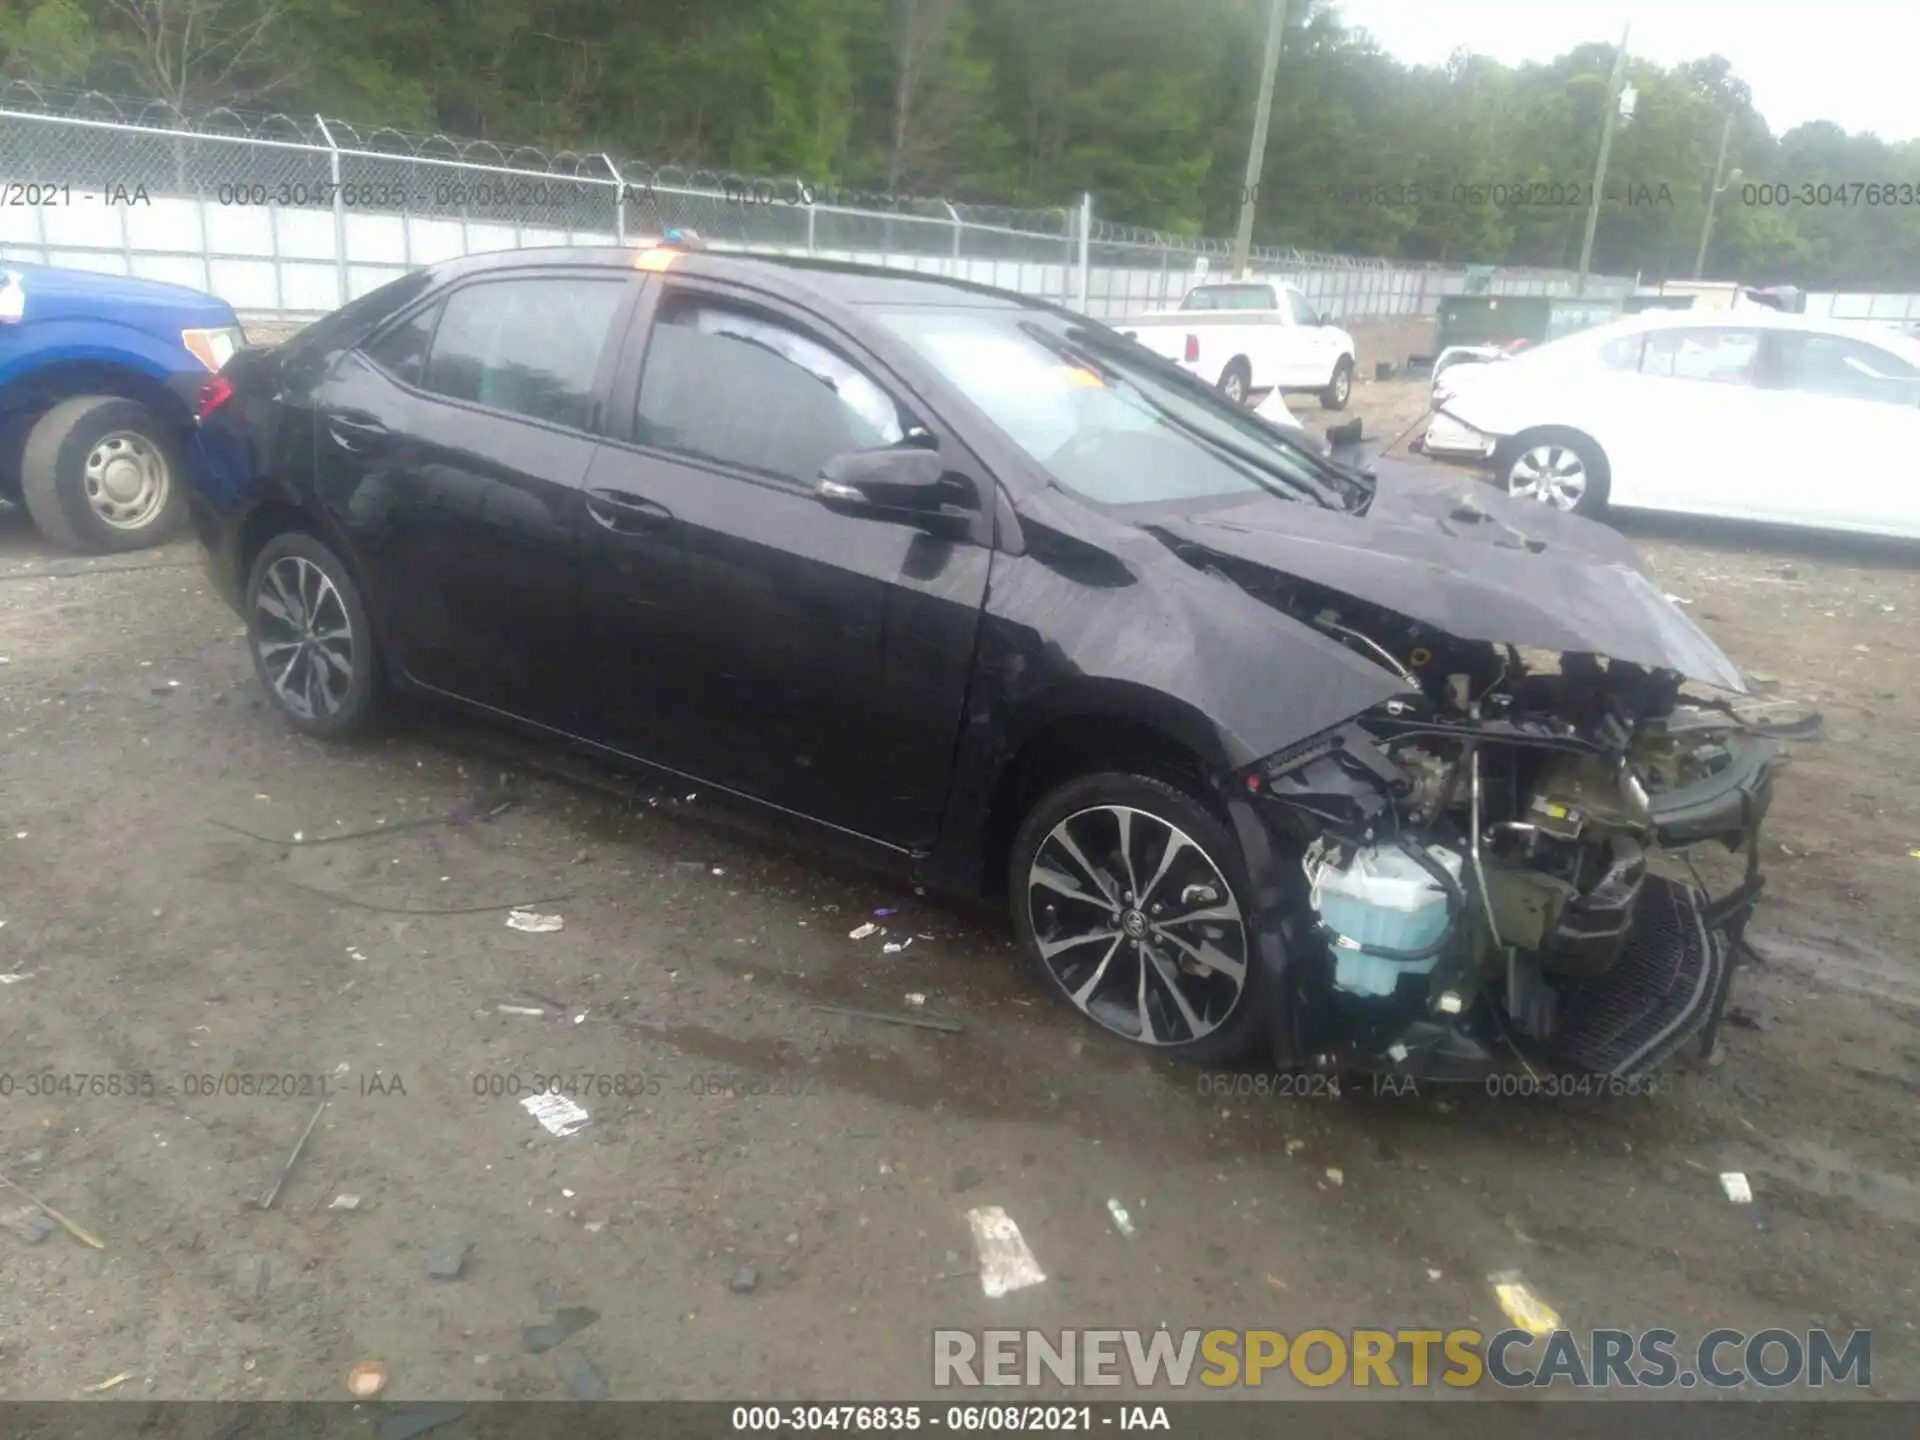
{"x": 1249, "y": 336}
{"x": 1752, "y": 415}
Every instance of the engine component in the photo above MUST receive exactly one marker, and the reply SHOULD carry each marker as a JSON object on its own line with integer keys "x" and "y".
{"x": 1576, "y": 791}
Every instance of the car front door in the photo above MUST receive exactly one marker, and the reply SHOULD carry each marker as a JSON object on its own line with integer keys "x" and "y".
{"x": 1309, "y": 345}
{"x": 450, "y": 450}
{"x": 1843, "y": 422}
{"x": 747, "y": 634}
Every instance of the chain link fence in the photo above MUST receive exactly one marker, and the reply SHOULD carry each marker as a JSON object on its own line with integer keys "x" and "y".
{"x": 287, "y": 217}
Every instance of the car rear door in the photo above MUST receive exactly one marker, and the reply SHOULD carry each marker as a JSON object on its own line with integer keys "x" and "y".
{"x": 450, "y": 451}
{"x": 1688, "y": 431}
{"x": 745, "y": 633}
{"x": 1843, "y": 424}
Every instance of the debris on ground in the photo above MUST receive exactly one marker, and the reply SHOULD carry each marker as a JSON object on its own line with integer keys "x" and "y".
{"x": 448, "y": 1259}
{"x": 916, "y": 999}
{"x": 582, "y": 1378}
{"x": 894, "y": 947}
{"x": 345, "y": 1202}
{"x": 79, "y": 1232}
{"x": 885, "y": 911}
{"x": 26, "y": 1222}
{"x": 254, "y": 1273}
{"x": 965, "y": 1179}
{"x": 1335, "y": 1175}
{"x": 1276, "y": 1282}
{"x": 1295, "y": 1146}
{"x": 1006, "y": 1264}
{"x": 532, "y": 1010}
{"x": 1522, "y": 1306}
{"x": 533, "y": 922}
{"x": 745, "y": 1280}
{"x": 1737, "y": 1188}
{"x": 266, "y": 1201}
{"x": 568, "y": 1321}
{"x": 1432, "y": 1274}
{"x": 1749, "y": 1019}
{"x": 108, "y": 1384}
{"x": 918, "y": 1021}
{"x": 861, "y": 932}
{"x": 1121, "y": 1220}
{"x": 559, "y": 1115}
{"x": 366, "y": 1380}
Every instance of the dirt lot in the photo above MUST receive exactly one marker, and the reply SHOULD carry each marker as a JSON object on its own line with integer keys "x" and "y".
{"x": 835, "y": 1156}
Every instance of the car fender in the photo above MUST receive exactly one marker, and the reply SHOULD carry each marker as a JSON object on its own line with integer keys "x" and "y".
{"x": 104, "y": 342}
{"x": 1134, "y": 632}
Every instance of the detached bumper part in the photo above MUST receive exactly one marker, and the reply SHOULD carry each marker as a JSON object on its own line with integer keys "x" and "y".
{"x": 1450, "y": 437}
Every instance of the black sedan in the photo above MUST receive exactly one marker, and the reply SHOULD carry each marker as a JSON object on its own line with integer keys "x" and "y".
{"x": 1245, "y": 737}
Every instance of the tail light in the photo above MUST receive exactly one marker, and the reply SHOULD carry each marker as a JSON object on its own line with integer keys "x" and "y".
{"x": 1193, "y": 349}
{"x": 215, "y": 393}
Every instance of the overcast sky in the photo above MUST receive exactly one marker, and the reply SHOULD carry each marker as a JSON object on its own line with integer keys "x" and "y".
{"x": 1848, "y": 61}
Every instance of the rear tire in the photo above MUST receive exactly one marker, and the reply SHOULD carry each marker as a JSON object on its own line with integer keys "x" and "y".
{"x": 1236, "y": 381}
{"x": 1340, "y": 388}
{"x": 1195, "y": 1006}
{"x": 103, "y": 475}
{"x": 310, "y": 638}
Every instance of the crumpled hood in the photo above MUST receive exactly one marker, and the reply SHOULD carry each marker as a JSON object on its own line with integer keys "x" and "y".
{"x": 1455, "y": 554}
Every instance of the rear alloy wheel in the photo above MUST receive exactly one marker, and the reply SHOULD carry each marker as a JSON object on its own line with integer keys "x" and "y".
{"x": 1126, "y": 897}
{"x": 1559, "y": 468}
{"x": 312, "y": 645}
{"x": 1236, "y": 381}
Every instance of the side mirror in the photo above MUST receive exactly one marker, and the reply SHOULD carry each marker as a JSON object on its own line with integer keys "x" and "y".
{"x": 895, "y": 478}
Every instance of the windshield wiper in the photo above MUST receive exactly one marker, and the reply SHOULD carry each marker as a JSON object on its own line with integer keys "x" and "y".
{"x": 1081, "y": 355}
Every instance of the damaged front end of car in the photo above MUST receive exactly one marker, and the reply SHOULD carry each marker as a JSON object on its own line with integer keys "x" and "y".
{"x": 1496, "y": 868}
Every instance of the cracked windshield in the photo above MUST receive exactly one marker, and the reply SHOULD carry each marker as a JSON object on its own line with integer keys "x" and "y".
{"x": 996, "y": 716}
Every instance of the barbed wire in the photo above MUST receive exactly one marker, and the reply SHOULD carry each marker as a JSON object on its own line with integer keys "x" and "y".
{"x": 661, "y": 193}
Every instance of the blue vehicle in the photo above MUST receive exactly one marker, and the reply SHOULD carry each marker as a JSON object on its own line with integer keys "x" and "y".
{"x": 100, "y": 380}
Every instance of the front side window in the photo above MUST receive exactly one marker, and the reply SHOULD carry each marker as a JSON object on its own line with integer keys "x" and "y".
{"x": 726, "y": 384}
{"x": 1303, "y": 313}
{"x": 1725, "y": 355}
{"x": 1841, "y": 366}
{"x": 530, "y": 347}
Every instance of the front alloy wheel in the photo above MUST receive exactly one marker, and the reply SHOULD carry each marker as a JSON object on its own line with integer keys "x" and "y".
{"x": 1126, "y": 903}
{"x": 1549, "y": 472}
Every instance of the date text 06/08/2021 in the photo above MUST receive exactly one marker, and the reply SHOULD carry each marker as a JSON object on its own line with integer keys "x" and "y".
{"x": 960, "y": 1419}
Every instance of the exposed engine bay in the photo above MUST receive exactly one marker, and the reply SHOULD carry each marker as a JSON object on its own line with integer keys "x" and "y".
{"x": 1497, "y": 867}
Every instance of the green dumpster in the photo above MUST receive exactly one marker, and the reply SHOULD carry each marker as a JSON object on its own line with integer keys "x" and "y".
{"x": 1503, "y": 319}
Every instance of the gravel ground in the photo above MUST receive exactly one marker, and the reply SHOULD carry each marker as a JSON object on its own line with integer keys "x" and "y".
{"x": 742, "y": 1130}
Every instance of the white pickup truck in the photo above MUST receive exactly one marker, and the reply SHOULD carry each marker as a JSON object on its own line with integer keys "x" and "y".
{"x": 1248, "y": 337}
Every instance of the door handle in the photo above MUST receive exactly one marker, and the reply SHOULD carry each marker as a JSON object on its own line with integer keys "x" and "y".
{"x": 355, "y": 432}
{"x": 623, "y": 511}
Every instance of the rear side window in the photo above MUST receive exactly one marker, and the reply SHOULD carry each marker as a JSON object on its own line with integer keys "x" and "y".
{"x": 726, "y": 384}
{"x": 402, "y": 350}
{"x": 529, "y": 347}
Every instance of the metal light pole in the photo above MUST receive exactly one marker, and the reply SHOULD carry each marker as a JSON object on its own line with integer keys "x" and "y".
{"x": 1257, "y": 147}
{"x": 1714, "y": 191}
{"x": 1600, "y": 168}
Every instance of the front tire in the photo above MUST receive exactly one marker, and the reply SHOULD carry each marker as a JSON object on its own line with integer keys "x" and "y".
{"x": 102, "y": 474}
{"x": 1558, "y": 467}
{"x": 310, "y": 638}
{"x": 1340, "y": 388}
{"x": 1130, "y": 900}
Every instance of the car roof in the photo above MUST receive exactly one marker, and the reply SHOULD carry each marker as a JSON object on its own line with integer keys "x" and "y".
{"x": 834, "y": 281}
{"x": 1886, "y": 335}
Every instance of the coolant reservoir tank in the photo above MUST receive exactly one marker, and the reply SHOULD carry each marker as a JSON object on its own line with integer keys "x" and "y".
{"x": 1382, "y": 899}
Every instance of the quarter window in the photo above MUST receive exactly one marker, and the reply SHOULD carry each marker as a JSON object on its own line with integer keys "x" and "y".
{"x": 402, "y": 350}
{"x": 530, "y": 347}
{"x": 728, "y": 385}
